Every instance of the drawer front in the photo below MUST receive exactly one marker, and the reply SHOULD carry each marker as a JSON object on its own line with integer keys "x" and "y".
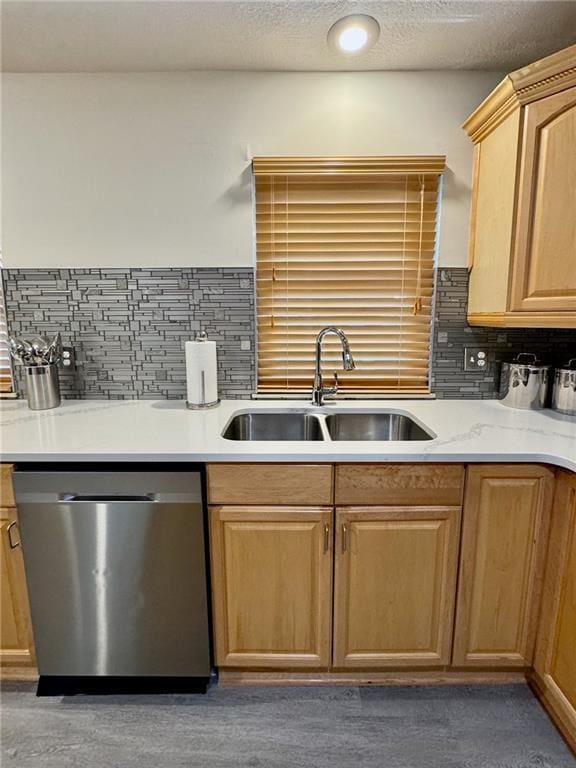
{"x": 384, "y": 484}
{"x": 307, "y": 484}
{"x": 6, "y": 489}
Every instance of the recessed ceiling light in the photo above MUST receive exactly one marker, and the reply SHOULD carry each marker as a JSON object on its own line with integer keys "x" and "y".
{"x": 354, "y": 34}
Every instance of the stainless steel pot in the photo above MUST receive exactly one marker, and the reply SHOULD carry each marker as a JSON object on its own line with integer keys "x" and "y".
{"x": 524, "y": 383}
{"x": 564, "y": 392}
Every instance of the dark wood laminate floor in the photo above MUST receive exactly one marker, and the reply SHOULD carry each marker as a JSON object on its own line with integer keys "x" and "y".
{"x": 319, "y": 727}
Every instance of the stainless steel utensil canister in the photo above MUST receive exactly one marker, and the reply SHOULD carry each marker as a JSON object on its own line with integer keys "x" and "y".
{"x": 42, "y": 386}
{"x": 564, "y": 392}
{"x": 524, "y": 383}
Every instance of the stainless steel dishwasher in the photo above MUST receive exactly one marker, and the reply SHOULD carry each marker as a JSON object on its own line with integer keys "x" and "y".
{"x": 116, "y": 569}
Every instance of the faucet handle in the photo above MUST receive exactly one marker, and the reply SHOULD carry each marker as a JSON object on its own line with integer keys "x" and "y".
{"x": 332, "y": 390}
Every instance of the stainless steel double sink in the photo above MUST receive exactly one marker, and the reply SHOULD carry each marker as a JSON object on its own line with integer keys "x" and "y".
{"x": 317, "y": 425}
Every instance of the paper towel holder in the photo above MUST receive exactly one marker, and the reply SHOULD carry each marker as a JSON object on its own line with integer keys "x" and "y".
{"x": 201, "y": 336}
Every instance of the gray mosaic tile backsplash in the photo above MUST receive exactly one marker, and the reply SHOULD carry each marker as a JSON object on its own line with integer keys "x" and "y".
{"x": 129, "y": 326}
{"x": 451, "y": 334}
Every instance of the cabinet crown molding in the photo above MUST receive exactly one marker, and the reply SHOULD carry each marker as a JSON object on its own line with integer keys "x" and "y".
{"x": 535, "y": 81}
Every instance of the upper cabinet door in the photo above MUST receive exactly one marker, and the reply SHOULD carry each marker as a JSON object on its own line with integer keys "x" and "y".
{"x": 544, "y": 264}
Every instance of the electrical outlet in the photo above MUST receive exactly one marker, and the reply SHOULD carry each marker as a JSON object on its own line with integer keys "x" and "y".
{"x": 475, "y": 359}
{"x": 68, "y": 358}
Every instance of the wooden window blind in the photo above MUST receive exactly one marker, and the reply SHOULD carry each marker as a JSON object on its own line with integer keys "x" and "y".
{"x": 5, "y": 364}
{"x": 347, "y": 242}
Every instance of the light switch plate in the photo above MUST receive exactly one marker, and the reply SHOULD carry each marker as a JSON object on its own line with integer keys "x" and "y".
{"x": 475, "y": 359}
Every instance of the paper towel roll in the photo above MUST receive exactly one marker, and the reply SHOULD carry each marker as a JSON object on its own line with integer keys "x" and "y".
{"x": 201, "y": 373}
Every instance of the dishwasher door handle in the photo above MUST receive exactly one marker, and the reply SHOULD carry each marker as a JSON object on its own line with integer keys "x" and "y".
{"x": 101, "y": 499}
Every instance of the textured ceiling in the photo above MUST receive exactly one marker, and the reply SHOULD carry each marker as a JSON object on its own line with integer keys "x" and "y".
{"x": 155, "y": 35}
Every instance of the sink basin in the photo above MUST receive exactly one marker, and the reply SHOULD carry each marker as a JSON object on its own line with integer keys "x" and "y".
{"x": 274, "y": 426}
{"x": 318, "y": 425}
{"x": 374, "y": 426}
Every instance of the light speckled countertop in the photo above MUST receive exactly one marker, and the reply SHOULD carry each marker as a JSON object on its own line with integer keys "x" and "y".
{"x": 164, "y": 430}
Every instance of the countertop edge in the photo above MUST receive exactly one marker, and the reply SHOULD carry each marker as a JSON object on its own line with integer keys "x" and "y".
{"x": 559, "y": 462}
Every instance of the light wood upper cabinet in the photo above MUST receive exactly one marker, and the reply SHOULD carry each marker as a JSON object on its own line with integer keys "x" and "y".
{"x": 523, "y": 225}
{"x": 504, "y": 538}
{"x": 272, "y": 585}
{"x": 544, "y": 266}
{"x": 395, "y": 586}
{"x": 16, "y": 645}
{"x": 555, "y": 660}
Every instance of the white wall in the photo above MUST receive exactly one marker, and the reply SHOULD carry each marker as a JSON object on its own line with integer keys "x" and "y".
{"x": 151, "y": 169}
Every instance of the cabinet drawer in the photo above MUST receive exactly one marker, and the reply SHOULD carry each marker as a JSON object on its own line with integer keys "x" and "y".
{"x": 383, "y": 484}
{"x": 6, "y": 490}
{"x": 270, "y": 484}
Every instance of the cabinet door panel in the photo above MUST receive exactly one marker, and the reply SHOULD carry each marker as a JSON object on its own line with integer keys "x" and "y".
{"x": 544, "y": 274}
{"x": 272, "y": 585}
{"x": 395, "y": 585}
{"x": 16, "y": 647}
{"x": 505, "y": 521}
{"x": 555, "y": 661}
{"x": 563, "y": 667}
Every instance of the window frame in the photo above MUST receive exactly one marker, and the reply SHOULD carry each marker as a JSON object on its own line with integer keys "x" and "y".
{"x": 370, "y": 168}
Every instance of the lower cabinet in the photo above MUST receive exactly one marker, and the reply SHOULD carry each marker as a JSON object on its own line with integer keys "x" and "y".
{"x": 272, "y": 585}
{"x": 16, "y": 646}
{"x": 416, "y": 585}
{"x": 504, "y": 537}
{"x": 395, "y": 586}
{"x": 555, "y": 661}
{"x": 394, "y": 594}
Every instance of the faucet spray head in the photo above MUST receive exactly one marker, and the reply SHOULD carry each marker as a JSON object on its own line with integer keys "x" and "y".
{"x": 348, "y": 361}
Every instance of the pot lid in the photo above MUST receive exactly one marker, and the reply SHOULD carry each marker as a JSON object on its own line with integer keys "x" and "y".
{"x": 527, "y": 360}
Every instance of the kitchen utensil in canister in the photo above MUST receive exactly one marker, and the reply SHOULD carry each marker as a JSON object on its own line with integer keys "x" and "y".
{"x": 42, "y": 386}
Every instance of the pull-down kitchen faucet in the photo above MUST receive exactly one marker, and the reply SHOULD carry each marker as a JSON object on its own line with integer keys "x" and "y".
{"x": 348, "y": 364}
